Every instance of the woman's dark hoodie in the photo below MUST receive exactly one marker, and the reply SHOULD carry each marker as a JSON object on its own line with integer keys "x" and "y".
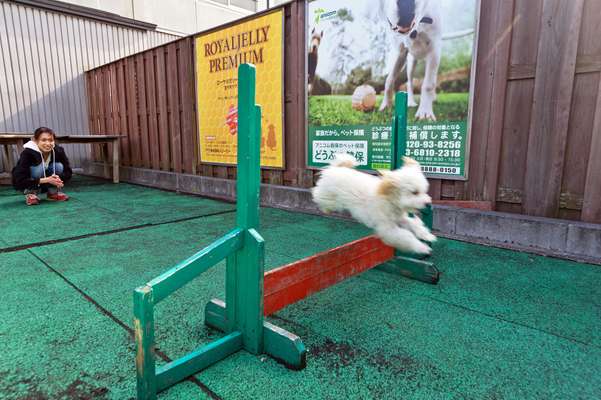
{"x": 32, "y": 156}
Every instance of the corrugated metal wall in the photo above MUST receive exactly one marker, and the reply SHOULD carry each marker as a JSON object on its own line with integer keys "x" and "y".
{"x": 43, "y": 58}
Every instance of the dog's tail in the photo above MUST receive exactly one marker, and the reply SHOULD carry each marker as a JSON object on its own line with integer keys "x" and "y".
{"x": 344, "y": 160}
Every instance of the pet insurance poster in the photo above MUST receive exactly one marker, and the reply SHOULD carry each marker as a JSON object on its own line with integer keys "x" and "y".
{"x": 218, "y": 54}
{"x": 360, "y": 52}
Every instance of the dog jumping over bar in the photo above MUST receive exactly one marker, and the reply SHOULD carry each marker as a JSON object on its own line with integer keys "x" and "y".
{"x": 384, "y": 203}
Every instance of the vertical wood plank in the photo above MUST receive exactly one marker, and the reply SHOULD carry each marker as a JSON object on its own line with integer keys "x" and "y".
{"x": 114, "y": 100}
{"x": 220, "y": 171}
{"x": 100, "y": 121}
{"x": 585, "y": 110}
{"x": 526, "y": 31}
{"x": 291, "y": 106}
{"x": 121, "y": 93}
{"x": 163, "y": 119}
{"x": 499, "y": 90}
{"x": 173, "y": 107}
{"x": 459, "y": 190}
{"x": 481, "y": 109}
{"x": 153, "y": 133}
{"x": 294, "y": 97}
{"x": 516, "y": 125}
{"x": 591, "y": 208}
{"x": 99, "y": 117}
{"x": 91, "y": 84}
{"x": 551, "y": 110}
{"x": 435, "y": 189}
{"x": 186, "y": 84}
{"x": 107, "y": 103}
{"x": 306, "y": 176}
{"x": 519, "y": 99}
{"x": 195, "y": 126}
{"x": 132, "y": 112}
{"x": 142, "y": 110}
{"x": 110, "y": 98}
{"x": 580, "y": 133}
{"x": 490, "y": 89}
{"x": 447, "y": 190}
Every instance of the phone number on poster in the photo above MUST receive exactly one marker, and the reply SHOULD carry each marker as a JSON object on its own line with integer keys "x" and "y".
{"x": 432, "y": 153}
{"x": 441, "y": 170}
{"x": 430, "y": 144}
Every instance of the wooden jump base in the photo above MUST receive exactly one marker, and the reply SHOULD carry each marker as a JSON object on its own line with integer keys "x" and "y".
{"x": 293, "y": 282}
{"x": 252, "y": 294}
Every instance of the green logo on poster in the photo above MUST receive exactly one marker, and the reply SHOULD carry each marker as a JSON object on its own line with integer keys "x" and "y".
{"x": 321, "y": 14}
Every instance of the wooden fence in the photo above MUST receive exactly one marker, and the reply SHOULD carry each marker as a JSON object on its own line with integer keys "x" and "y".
{"x": 536, "y": 135}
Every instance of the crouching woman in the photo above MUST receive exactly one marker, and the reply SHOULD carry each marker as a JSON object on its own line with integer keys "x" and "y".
{"x": 43, "y": 167}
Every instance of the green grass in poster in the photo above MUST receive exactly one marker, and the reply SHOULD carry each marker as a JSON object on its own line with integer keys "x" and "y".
{"x": 337, "y": 110}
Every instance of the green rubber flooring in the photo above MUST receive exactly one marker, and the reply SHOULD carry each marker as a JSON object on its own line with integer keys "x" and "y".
{"x": 499, "y": 325}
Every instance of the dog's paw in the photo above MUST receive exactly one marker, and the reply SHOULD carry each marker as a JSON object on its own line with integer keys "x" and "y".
{"x": 428, "y": 237}
{"x": 411, "y": 102}
{"x": 385, "y": 104}
{"x": 425, "y": 113}
{"x": 421, "y": 248}
{"x": 425, "y": 110}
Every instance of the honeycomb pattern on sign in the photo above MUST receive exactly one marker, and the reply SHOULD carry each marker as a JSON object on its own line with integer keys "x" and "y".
{"x": 259, "y": 41}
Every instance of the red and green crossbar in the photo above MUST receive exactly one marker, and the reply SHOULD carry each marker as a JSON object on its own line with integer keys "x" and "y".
{"x": 293, "y": 282}
{"x": 252, "y": 294}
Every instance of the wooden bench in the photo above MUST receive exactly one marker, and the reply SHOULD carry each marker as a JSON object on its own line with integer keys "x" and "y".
{"x": 19, "y": 139}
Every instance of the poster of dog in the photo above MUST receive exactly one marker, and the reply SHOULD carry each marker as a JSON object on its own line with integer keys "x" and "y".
{"x": 361, "y": 52}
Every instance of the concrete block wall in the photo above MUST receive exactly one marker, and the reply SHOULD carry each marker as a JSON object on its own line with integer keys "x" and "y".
{"x": 573, "y": 240}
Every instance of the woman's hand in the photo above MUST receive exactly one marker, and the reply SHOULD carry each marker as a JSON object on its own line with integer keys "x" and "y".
{"x": 54, "y": 180}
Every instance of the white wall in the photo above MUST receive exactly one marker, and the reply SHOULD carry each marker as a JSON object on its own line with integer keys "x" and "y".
{"x": 182, "y": 17}
{"x": 262, "y": 4}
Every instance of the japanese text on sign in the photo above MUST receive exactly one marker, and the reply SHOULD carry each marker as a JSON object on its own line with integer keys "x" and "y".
{"x": 324, "y": 151}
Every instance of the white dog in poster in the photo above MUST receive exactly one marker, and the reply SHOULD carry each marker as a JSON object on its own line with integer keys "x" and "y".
{"x": 417, "y": 32}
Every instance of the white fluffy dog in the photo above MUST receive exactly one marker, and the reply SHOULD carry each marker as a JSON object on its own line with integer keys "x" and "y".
{"x": 381, "y": 203}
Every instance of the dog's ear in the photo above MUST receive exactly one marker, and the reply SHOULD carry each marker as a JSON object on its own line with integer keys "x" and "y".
{"x": 410, "y": 162}
{"x": 387, "y": 186}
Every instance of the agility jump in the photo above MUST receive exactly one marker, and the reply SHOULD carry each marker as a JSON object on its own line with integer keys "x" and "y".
{"x": 252, "y": 294}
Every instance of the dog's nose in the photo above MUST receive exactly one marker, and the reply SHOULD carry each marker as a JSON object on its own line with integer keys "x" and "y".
{"x": 413, "y": 34}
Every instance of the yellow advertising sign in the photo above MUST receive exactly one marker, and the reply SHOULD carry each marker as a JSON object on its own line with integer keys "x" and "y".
{"x": 218, "y": 54}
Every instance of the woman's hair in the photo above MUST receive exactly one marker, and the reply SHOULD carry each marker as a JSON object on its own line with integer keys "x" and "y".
{"x": 42, "y": 129}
